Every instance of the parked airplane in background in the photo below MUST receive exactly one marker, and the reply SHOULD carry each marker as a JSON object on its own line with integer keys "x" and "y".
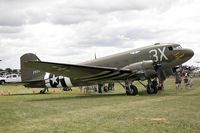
{"x": 146, "y": 63}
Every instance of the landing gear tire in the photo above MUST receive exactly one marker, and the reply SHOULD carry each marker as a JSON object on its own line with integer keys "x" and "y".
{"x": 131, "y": 90}
{"x": 152, "y": 86}
{"x": 152, "y": 89}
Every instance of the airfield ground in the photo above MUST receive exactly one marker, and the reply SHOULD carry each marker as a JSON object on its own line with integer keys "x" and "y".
{"x": 168, "y": 111}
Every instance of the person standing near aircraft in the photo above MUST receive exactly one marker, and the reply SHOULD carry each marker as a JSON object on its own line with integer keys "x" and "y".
{"x": 110, "y": 86}
{"x": 100, "y": 86}
{"x": 190, "y": 81}
{"x": 178, "y": 80}
{"x": 186, "y": 79}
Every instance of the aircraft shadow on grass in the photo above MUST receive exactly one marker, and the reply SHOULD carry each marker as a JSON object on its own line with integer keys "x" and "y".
{"x": 107, "y": 95}
{"x": 89, "y": 96}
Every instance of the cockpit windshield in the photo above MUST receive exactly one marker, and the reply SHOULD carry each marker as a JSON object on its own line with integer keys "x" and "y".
{"x": 174, "y": 47}
{"x": 177, "y": 47}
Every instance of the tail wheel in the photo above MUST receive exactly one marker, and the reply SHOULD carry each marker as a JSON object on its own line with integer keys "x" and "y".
{"x": 131, "y": 90}
{"x": 42, "y": 92}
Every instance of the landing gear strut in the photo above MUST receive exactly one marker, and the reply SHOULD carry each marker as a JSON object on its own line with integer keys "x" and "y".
{"x": 152, "y": 87}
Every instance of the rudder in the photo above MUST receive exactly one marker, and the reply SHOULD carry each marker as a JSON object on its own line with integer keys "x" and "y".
{"x": 30, "y": 74}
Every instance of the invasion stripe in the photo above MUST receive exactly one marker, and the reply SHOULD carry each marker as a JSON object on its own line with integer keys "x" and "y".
{"x": 111, "y": 76}
{"x": 104, "y": 76}
{"x": 63, "y": 82}
{"x": 95, "y": 75}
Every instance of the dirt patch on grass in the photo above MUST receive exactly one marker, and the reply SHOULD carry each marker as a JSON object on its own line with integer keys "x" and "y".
{"x": 160, "y": 120}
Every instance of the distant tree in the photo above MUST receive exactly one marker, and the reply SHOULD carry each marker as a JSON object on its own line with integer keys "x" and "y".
{"x": 15, "y": 71}
{"x": 8, "y": 70}
{"x": 1, "y": 72}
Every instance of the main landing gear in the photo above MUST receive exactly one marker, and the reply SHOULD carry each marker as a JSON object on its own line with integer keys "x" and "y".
{"x": 152, "y": 86}
{"x": 131, "y": 90}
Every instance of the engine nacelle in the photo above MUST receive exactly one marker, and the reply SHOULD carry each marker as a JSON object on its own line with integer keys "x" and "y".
{"x": 145, "y": 67}
{"x": 53, "y": 81}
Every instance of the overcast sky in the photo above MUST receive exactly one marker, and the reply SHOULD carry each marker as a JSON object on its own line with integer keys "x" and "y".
{"x": 71, "y": 31}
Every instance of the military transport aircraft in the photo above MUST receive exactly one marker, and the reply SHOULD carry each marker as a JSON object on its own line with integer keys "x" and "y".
{"x": 146, "y": 63}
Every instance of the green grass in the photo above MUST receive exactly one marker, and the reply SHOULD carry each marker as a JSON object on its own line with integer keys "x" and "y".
{"x": 168, "y": 111}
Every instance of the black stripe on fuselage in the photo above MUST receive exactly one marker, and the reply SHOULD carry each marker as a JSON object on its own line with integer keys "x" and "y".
{"x": 95, "y": 75}
{"x": 109, "y": 76}
{"x": 103, "y": 76}
{"x": 62, "y": 81}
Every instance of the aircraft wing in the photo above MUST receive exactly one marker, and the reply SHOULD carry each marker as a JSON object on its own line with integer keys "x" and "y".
{"x": 80, "y": 72}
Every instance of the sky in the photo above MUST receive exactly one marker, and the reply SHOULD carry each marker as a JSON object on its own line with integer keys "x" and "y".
{"x": 72, "y": 31}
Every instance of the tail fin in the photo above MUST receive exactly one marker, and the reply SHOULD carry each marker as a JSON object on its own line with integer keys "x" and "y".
{"x": 29, "y": 74}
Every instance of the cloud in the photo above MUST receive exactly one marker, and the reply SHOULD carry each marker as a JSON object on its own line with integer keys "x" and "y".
{"x": 16, "y": 13}
{"x": 70, "y": 31}
{"x": 117, "y": 5}
{"x": 9, "y": 30}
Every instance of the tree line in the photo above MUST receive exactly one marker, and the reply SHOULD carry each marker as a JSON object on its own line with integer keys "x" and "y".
{"x": 10, "y": 71}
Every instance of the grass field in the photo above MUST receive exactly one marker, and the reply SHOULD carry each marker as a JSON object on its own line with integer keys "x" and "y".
{"x": 168, "y": 111}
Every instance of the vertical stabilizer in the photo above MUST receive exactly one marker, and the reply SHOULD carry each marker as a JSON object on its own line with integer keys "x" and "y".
{"x": 30, "y": 74}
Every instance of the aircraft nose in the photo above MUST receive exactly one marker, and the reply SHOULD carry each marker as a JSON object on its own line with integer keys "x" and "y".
{"x": 189, "y": 53}
{"x": 183, "y": 55}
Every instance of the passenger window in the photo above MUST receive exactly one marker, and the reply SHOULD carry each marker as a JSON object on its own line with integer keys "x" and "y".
{"x": 14, "y": 76}
{"x": 170, "y": 48}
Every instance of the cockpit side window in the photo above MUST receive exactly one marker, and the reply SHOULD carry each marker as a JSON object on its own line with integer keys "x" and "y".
{"x": 170, "y": 48}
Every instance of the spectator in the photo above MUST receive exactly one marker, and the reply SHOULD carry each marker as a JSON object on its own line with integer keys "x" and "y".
{"x": 113, "y": 86}
{"x": 189, "y": 81}
{"x": 186, "y": 79}
{"x": 105, "y": 88}
{"x": 100, "y": 86}
{"x": 110, "y": 86}
{"x": 178, "y": 79}
{"x": 95, "y": 88}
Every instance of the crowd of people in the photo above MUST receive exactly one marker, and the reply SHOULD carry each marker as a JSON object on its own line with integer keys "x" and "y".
{"x": 185, "y": 76}
{"x": 100, "y": 88}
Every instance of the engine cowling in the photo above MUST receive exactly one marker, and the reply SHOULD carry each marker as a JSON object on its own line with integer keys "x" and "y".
{"x": 146, "y": 68}
{"x": 53, "y": 81}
